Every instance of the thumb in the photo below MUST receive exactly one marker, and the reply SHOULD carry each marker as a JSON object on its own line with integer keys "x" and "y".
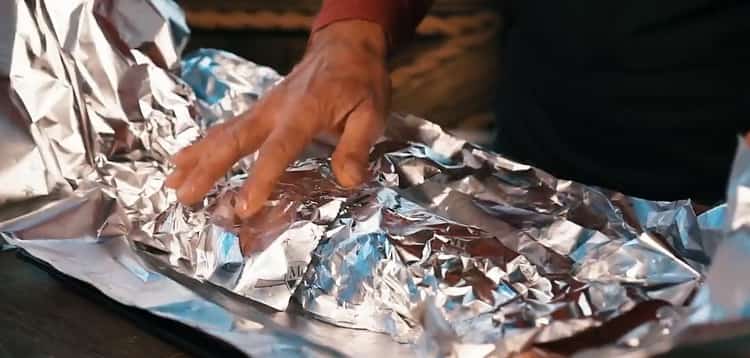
{"x": 350, "y": 160}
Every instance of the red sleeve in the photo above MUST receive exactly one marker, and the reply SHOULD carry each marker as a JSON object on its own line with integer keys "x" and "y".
{"x": 399, "y": 18}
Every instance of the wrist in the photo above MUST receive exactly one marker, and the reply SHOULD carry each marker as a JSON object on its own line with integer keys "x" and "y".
{"x": 365, "y": 35}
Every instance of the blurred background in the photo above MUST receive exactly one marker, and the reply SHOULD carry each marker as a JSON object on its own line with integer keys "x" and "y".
{"x": 447, "y": 75}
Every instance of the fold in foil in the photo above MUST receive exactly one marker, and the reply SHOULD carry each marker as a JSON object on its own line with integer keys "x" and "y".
{"x": 450, "y": 248}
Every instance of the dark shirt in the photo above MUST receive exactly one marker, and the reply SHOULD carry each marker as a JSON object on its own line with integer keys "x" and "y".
{"x": 644, "y": 97}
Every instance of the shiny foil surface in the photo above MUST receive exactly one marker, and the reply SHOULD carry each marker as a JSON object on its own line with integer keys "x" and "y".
{"x": 90, "y": 114}
{"x": 505, "y": 252}
{"x": 447, "y": 250}
{"x": 225, "y": 84}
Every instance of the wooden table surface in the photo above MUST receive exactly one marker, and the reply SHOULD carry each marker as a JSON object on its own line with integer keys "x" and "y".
{"x": 41, "y": 316}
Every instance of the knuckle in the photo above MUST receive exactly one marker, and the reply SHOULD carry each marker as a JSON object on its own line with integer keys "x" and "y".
{"x": 279, "y": 150}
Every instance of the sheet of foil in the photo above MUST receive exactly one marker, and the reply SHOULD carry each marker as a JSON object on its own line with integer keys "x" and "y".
{"x": 449, "y": 249}
{"x": 507, "y": 254}
{"x": 85, "y": 109}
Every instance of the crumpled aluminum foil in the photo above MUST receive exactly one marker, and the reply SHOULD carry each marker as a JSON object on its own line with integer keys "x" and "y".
{"x": 532, "y": 253}
{"x": 225, "y": 84}
{"x": 448, "y": 245}
{"x": 85, "y": 110}
{"x": 546, "y": 248}
{"x": 204, "y": 242}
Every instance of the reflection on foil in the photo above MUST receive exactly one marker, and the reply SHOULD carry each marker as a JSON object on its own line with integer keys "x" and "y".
{"x": 4, "y": 246}
{"x": 226, "y": 84}
{"x": 453, "y": 249}
{"x": 726, "y": 295}
{"x": 506, "y": 252}
{"x": 262, "y": 258}
{"x": 84, "y": 111}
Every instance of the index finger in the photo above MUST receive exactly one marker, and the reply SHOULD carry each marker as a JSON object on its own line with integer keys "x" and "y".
{"x": 283, "y": 146}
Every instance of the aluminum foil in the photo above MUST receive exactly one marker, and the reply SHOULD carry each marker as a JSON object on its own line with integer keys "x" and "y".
{"x": 726, "y": 294}
{"x": 449, "y": 249}
{"x": 4, "y": 246}
{"x": 533, "y": 256}
{"x": 262, "y": 258}
{"x": 224, "y": 83}
{"x": 85, "y": 109}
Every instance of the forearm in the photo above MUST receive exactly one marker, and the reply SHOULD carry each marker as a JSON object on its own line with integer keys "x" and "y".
{"x": 398, "y": 18}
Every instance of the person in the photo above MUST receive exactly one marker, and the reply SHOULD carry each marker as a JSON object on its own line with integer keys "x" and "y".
{"x": 644, "y": 97}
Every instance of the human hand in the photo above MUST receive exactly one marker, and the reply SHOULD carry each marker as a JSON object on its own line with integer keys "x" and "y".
{"x": 340, "y": 87}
